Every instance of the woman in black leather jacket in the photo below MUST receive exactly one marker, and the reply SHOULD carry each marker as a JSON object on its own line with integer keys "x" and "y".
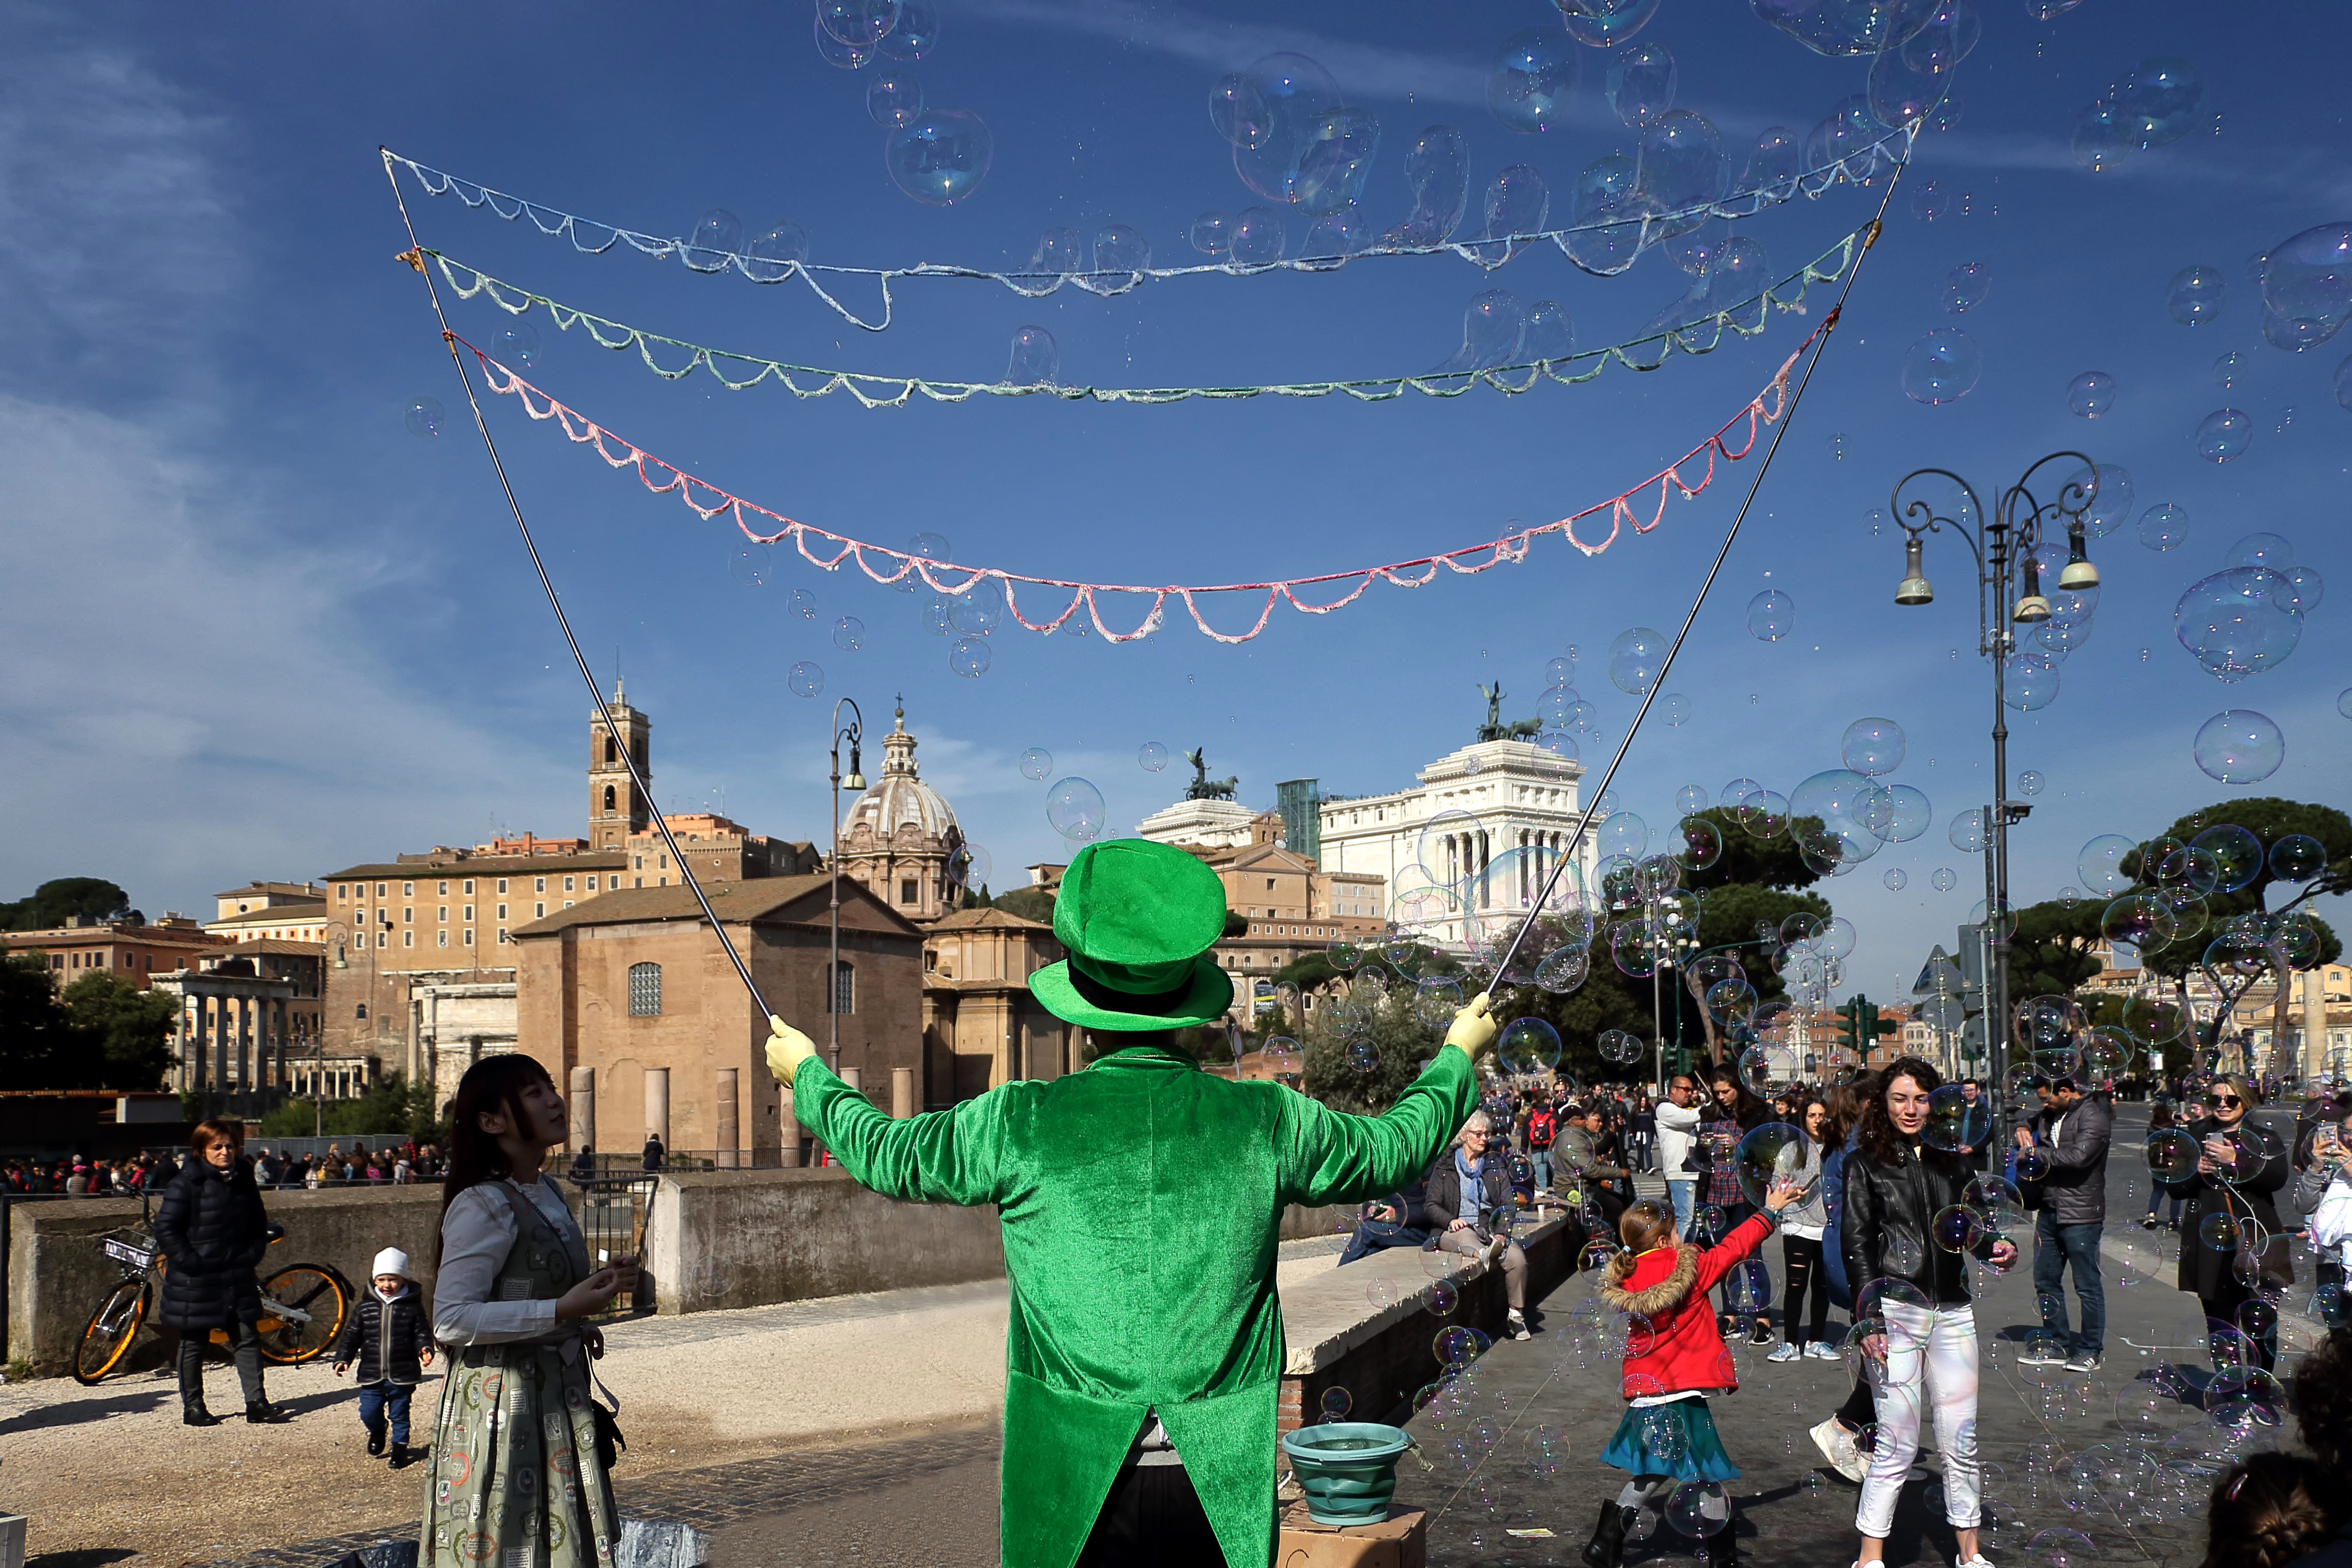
{"x": 2241, "y": 1167}
{"x": 1895, "y": 1187}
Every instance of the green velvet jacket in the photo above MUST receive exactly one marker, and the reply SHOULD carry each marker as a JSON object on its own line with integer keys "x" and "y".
{"x": 1140, "y": 1200}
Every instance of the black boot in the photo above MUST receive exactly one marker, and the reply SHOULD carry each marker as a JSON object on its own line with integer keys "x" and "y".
{"x": 197, "y": 1416}
{"x": 402, "y": 1454}
{"x": 375, "y": 1442}
{"x": 1723, "y": 1546}
{"x": 260, "y": 1412}
{"x": 1607, "y": 1547}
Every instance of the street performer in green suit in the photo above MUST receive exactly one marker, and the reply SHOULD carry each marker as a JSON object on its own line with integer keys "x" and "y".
{"x": 1140, "y": 1202}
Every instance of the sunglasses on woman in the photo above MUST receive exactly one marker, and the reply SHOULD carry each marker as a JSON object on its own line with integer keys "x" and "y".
{"x": 2223, "y": 1101}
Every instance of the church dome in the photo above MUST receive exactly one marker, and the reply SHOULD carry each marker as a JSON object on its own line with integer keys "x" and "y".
{"x": 900, "y": 799}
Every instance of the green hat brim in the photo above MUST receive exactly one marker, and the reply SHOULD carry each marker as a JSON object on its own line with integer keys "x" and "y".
{"x": 1203, "y": 1002}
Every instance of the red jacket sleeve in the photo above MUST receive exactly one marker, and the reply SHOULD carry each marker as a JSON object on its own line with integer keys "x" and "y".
{"x": 1734, "y": 1249}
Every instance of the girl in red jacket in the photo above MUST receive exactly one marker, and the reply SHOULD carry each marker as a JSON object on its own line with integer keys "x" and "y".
{"x": 1675, "y": 1357}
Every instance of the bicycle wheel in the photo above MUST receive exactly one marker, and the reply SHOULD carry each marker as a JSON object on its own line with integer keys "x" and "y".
{"x": 106, "y": 1338}
{"x": 302, "y": 1309}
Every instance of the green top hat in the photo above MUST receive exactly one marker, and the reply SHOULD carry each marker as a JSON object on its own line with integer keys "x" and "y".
{"x": 1139, "y": 919}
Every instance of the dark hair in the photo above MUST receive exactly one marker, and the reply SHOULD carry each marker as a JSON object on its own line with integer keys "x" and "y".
{"x": 215, "y": 1129}
{"x": 2323, "y": 1402}
{"x": 2160, "y": 1115}
{"x": 489, "y": 1086}
{"x": 1744, "y": 1104}
{"x": 2265, "y": 1512}
{"x": 1846, "y": 1103}
{"x": 1879, "y": 1139}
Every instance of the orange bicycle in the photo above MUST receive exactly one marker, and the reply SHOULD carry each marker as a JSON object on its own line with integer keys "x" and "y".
{"x": 302, "y": 1309}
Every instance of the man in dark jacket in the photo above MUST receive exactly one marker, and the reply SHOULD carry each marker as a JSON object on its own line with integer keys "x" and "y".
{"x": 2073, "y": 1130}
{"x": 387, "y": 1335}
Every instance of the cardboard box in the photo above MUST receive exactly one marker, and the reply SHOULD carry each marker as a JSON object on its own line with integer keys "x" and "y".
{"x": 1400, "y": 1540}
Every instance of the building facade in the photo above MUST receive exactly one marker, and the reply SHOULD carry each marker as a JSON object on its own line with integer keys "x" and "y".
{"x": 981, "y": 1025}
{"x": 628, "y": 1000}
{"x": 899, "y": 837}
{"x": 129, "y": 950}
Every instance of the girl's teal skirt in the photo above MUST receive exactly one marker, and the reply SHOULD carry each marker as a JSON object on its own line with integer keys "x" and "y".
{"x": 1675, "y": 1439}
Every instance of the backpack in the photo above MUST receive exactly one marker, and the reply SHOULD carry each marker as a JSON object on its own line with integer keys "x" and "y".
{"x": 1543, "y": 1127}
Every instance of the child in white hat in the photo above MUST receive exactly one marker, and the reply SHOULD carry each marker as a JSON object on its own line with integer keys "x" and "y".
{"x": 388, "y": 1336}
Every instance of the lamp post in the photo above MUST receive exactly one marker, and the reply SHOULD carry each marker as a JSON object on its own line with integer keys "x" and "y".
{"x": 2005, "y": 544}
{"x": 854, "y": 734}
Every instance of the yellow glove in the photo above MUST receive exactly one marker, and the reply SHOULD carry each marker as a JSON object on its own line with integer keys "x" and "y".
{"x": 787, "y": 1049}
{"x": 1472, "y": 1030}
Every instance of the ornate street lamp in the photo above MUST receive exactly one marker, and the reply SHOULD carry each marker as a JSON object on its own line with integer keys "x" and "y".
{"x": 854, "y": 734}
{"x": 2004, "y": 543}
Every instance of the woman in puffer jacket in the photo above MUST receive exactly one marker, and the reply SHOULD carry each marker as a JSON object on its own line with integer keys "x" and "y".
{"x": 213, "y": 1232}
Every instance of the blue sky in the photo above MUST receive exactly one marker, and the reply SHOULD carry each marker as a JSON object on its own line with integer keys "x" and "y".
{"x": 257, "y": 629}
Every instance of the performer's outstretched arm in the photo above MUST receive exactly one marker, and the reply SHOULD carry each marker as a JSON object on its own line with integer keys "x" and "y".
{"x": 940, "y": 1156}
{"x": 1330, "y": 1156}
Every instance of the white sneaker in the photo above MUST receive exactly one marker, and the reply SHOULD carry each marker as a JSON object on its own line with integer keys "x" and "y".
{"x": 2039, "y": 1358}
{"x": 1836, "y": 1444}
{"x": 2076, "y": 1363}
{"x": 1519, "y": 1327}
{"x": 1978, "y": 1560}
{"x": 1821, "y": 1349}
{"x": 1784, "y": 1351}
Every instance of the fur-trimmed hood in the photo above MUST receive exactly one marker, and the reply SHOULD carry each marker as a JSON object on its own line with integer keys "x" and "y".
{"x": 1665, "y": 1290}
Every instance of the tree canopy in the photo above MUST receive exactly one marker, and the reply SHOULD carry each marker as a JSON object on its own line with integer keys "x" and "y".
{"x": 55, "y": 902}
{"x": 101, "y": 1033}
{"x": 2055, "y": 948}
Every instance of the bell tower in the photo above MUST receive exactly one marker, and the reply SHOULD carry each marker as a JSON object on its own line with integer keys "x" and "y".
{"x": 616, "y": 809}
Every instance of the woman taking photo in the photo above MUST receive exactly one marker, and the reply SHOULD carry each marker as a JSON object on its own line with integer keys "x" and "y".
{"x": 1895, "y": 1187}
{"x": 2240, "y": 1164}
{"x": 517, "y": 1461}
{"x": 213, "y": 1231}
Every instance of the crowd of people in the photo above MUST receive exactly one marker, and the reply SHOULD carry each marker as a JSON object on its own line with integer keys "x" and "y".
{"x": 389, "y": 1164}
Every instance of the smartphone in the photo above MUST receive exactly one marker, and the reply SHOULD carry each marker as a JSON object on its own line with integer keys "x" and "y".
{"x": 603, "y": 1258}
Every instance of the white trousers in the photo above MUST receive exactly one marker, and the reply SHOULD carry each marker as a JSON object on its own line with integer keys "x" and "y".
{"x": 1931, "y": 1362}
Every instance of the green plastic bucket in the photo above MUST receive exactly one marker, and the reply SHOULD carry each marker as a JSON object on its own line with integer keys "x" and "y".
{"x": 1347, "y": 1469}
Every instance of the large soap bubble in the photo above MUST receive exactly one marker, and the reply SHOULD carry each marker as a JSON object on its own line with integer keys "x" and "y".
{"x": 860, "y": 24}
{"x": 2030, "y": 680}
{"x": 1605, "y": 23}
{"x": 1769, "y": 1155}
{"x": 941, "y": 157}
{"x": 1635, "y": 659}
{"x": 1074, "y": 808}
{"x": 1527, "y": 1046}
{"x": 2236, "y": 855}
{"x": 2238, "y": 745}
{"x": 1035, "y": 360}
{"x": 1954, "y": 1122}
{"x": 2164, "y": 526}
{"x": 1518, "y": 199}
{"x": 1491, "y": 327}
{"x": 1872, "y": 746}
{"x": 1852, "y": 28}
{"x": 917, "y": 33}
{"x": 1534, "y": 72}
{"x": 1641, "y": 84}
{"x": 1771, "y": 616}
{"x": 2224, "y": 433}
{"x": 1437, "y": 169}
{"x": 2307, "y": 285}
{"x": 1682, "y": 165}
{"x": 1286, "y": 132}
{"x": 2195, "y": 294}
{"x": 2238, "y": 622}
{"x": 1942, "y": 366}
{"x": 2157, "y": 103}
{"x": 1611, "y": 212}
{"x": 1966, "y": 286}
{"x": 2101, "y": 864}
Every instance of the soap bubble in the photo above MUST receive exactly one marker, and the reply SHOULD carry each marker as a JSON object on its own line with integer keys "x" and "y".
{"x": 1945, "y": 880}
{"x": 423, "y": 416}
{"x": 805, "y": 679}
{"x": 1635, "y": 658}
{"x": 917, "y": 33}
{"x": 1437, "y": 169}
{"x": 1527, "y": 1046}
{"x": 2224, "y": 433}
{"x": 1313, "y": 149}
{"x": 843, "y": 57}
{"x": 1954, "y": 1122}
{"x": 1036, "y": 763}
{"x": 2091, "y": 394}
{"x": 2238, "y": 622}
{"x": 1279, "y": 1057}
{"x": 1603, "y": 24}
{"x": 2238, "y": 745}
{"x": 1121, "y": 254}
{"x": 1771, "y": 616}
{"x": 980, "y": 608}
{"x": 1490, "y": 334}
{"x": 1035, "y": 359}
{"x": 717, "y": 237}
{"x": 849, "y": 633}
{"x": 1942, "y": 366}
{"x": 1213, "y": 232}
{"x": 2164, "y": 526}
{"x": 2236, "y": 855}
{"x": 1770, "y": 1154}
{"x": 1965, "y": 287}
{"x": 1239, "y": 112}
{"x": 2100, "y": 138}
{"x": 2158, "y": 101}
{"x": 2297, "y": 858}
{"x": 2031, "y": 681}
{"x": 860, "y": 24}
{"x": 2100, "y": 864}
{"x": 971, "y": 657}
{"x": 1152, "y": 756}
{"x": 1699, "y": 1509}
{"x": 1895, "y": 880}
{"x": 2106, "y": 493}
{"x": 1641, "y": 84}
{"x": 2194, "y": 295}
{"x": 804, "y": 604}
{"x": 1534, "y": 72}
{"x": 748, "y": 567}
{"x": 2307, "y": 285}
{"x": 894, "y": 98}
{"x": 1682, "y": 166}
{"x": 941, "y": 157}
{"x": 515, "y": 346}
{"x": 1611, "y": 210}
{"x": 1074, "y": 808}
{"x": 1872, "y": 746}
{"x": 1517, "y": 199}
{"x": 2030, "y": 782}
{"x": 2144, "y": 919}
{"x": 2343, "y": 384}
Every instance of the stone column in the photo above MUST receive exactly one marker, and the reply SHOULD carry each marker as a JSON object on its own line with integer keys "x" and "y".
{"x": 224, "y": 1041}
{"x": 728, "y": 1133}
{"x": 583, "y": 1109}
{"x": 788, "y": 1137}
{"x": 854, "y": 1078}
{"x": 193, "y": 1043}
{"x": 902, "y": 1092}
{"x": 658, "y": 1105}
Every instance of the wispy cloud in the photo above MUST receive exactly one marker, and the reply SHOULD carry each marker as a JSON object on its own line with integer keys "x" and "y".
{"x": 1364, "y": 72}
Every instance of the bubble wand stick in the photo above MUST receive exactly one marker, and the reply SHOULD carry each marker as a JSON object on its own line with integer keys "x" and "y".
{"x": 1788, "y": 414}
{"x": 415, "y": 256}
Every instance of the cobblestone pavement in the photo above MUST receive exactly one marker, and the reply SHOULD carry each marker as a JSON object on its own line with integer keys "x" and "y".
{"x": 1792, "y": 1508}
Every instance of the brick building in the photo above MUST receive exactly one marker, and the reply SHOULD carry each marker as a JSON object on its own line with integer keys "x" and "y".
{"x": 981, "y": 1025}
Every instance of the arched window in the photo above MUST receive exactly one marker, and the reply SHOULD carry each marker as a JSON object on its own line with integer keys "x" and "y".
{"x": 361, "y": 1011}
{"x": 843, "y": 995}
{"x": 644, "y": 990}
{"x": 612, "y": 800}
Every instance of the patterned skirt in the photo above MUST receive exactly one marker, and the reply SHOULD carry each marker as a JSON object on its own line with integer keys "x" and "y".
{"x": 1675, "y": 1439}
{"x": 513, "y": 1480}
